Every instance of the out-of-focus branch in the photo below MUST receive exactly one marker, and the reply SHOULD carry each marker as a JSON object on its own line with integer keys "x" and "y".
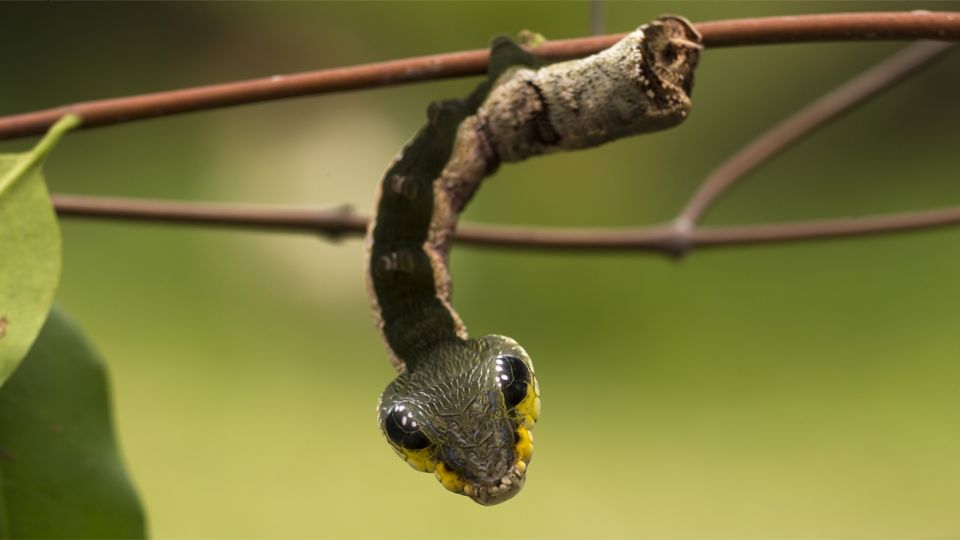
{"x": 765, "y": 30}
{"x": 596, "y": 17}
{"x": 818, "y": 114}
{"x": 341, "y": 222}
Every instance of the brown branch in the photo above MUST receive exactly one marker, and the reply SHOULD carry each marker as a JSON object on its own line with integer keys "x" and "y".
{"x": 765, "y": 30}
{"x": 818, "y": 114}
{"x": 674, "y": 238}
{"x": 333, "y": 222}
{"x": 341, "y": 222}
{"x": 827, "y": 228}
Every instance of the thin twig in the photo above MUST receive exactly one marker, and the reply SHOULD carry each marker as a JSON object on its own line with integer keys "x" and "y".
{"x": 331, "y": 222}
{"x": 818, "y": 114}
{"x": 764, "y": 30}
{"x": 596, "y": 17}
{"x": 659, "y": 238}
{"x": 827, "y": 228}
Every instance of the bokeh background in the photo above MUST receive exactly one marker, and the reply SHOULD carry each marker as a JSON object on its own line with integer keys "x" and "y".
{"x": 804, "y": 390}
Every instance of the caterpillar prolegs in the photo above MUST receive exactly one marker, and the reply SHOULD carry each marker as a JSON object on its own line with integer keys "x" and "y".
{"x": 463, "y": 408}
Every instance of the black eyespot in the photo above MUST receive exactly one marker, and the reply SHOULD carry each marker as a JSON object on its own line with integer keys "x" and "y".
{"x": 513, "y": 376}
{"x": 403, "y": 430}
{"x": 669, "y": 54}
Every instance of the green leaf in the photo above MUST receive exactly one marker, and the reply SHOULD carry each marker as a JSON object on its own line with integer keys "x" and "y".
{"x": 29, "y": 248}
{"x": 61, "y": 475}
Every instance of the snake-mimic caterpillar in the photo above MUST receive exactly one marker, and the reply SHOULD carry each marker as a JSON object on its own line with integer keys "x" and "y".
{"x": 463, "y": 408}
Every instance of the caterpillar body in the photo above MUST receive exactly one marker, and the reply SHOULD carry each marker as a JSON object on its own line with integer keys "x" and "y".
{"x": 463, "y": 408}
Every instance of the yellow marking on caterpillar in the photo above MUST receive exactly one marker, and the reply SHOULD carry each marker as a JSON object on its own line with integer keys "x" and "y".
{"x": 450, "y": 479}
{"x": 524, "y": 446}
{"x": 528, "y": 410}
{"x": 420, "y": 460}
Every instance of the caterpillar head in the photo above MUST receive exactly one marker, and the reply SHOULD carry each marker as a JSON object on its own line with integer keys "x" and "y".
{"x": 466, "y": 414}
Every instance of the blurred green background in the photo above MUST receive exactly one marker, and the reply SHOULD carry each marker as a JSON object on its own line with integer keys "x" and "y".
{"x": 806, "y": 390}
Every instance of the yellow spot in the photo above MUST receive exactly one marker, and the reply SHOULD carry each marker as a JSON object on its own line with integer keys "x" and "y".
{"x": 529, "y": 38}
{"x": 524, "y": 446}
{"x": 418, "y": 459}
{"x": 450, "y": 479}
{"x": 528, "y": 410}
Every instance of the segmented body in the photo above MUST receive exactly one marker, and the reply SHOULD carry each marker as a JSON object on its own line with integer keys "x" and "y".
{"x": 463, "y": 408}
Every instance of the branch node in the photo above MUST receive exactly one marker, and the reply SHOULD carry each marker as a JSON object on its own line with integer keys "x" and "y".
{"x": 338, "y": 216}
{"x": 679, "y": 242}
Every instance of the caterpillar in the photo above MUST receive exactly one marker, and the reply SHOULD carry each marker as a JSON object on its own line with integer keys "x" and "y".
{"x": 460, "y": 407}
